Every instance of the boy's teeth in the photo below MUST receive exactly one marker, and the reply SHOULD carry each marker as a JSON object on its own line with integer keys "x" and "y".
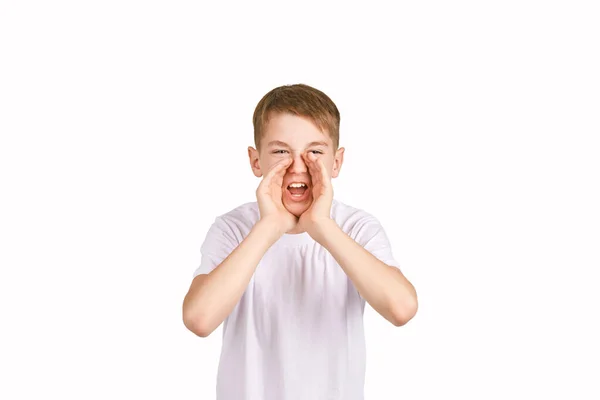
{"x": 297, "y": 185}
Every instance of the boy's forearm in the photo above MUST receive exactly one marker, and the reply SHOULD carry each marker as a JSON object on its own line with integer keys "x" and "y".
{"x": 384, "y": 287}
{"x": 214, "y": 299}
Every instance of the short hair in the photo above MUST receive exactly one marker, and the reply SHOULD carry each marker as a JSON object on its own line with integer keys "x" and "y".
{"x": 298, "y": 99}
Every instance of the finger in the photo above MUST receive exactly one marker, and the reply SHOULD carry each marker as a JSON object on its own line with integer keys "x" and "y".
{"x": 323, "y": 172}
{"x": 318, "y": 170}
{"x": 311, "y": 166}
{"x": 315, "y": 167}
{"x": 279, "y": 173}
{"x": 286, "y": 163}
{"x": 276, "y": 170}
{"x": 278, "y": 167}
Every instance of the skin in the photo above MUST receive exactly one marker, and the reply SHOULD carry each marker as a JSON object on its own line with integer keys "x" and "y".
{"x": 288, "y": 146}
{"x": 212, "y": 297}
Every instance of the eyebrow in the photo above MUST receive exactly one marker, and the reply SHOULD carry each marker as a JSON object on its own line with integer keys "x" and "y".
{"x": 283, "y": 144}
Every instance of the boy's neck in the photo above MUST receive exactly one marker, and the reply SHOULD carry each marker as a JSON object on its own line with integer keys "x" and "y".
{"x": 295, "y": 231}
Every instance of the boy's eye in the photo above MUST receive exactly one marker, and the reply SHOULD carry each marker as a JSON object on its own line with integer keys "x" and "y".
{"x": 285, "y": 151}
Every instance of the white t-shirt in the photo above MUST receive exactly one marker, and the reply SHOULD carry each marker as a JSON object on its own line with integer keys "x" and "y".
{"x": 297, "y": 331}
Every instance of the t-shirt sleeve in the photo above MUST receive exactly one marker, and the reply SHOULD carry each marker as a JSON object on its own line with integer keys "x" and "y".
{"x": 373, "y": 238}
{"x": 218, "y": 244}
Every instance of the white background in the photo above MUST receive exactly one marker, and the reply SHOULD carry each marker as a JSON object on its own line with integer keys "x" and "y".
{"x": 471, "y": 131}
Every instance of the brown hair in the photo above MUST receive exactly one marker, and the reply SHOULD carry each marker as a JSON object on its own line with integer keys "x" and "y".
{"x": 298, "y": 99}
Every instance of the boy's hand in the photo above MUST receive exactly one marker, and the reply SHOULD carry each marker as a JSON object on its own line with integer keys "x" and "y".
{"x": 320, "y": 210}
{"x": 269, "y": 195}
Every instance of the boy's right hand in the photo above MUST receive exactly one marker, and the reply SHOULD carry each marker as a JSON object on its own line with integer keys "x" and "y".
{"x": 269, "y": 195}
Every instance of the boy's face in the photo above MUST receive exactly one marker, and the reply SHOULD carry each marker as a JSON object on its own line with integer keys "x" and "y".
{"x": 288, "y": 135}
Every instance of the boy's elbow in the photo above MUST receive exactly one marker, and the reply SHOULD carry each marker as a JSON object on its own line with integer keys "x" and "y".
{"x": 401, "y": 320}
{"x": 405, "y": 313}
{"x": 196, "y": 326}
{"x": 194, "y": 320}
{"x": 202, "y": 332}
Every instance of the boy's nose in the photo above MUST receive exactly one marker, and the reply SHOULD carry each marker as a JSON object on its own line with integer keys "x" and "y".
{"x": 298, "y": 164}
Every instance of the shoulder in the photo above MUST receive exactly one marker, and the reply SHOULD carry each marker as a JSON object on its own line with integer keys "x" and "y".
{"x": 351, "y": 219}
{"x": 238, "y": 221}
{"x": 366, "y": 230}
{"x": 247, "y": 212}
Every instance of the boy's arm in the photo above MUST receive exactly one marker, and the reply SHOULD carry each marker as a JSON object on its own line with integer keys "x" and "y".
{"x": 212, "y": 297}
{"x": 383, "y": 286}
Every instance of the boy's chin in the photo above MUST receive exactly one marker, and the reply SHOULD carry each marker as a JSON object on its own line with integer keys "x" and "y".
{"x": 297, "y": 208}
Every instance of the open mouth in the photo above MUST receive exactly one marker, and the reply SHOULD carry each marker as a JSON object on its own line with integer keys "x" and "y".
{"x": 297, "y": 191}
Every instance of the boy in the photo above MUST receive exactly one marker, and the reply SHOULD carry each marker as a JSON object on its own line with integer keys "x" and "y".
{"x": 290, "y": 273}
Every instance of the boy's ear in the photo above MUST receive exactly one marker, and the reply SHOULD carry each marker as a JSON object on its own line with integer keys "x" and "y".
{"x": 338, "y": 160}
{"x": 254, "y": 161}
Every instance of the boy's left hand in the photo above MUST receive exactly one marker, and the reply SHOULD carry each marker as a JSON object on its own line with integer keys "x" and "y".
{"x": 319, "y": 212}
